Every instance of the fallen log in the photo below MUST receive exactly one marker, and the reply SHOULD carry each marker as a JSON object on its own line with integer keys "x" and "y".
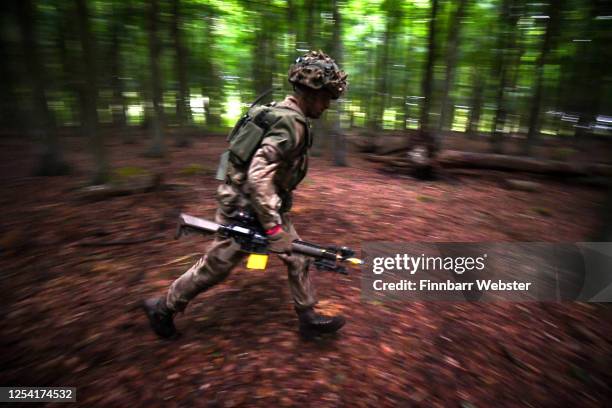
{"x": 458, "y": 159}
{"x": 454, "y": 158}
{"x": 396, "y": 161}
{"x": 131, "y": 185}
{"x": 380, "y": 144}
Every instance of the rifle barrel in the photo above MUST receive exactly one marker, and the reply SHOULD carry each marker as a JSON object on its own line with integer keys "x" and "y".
{"x": 312, "y": 250}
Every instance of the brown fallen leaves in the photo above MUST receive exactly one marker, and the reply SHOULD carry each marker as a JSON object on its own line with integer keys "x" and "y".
{"x": 72, "y": 314}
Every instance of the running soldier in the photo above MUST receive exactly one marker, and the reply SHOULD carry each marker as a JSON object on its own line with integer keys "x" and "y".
{"x": 261, "y": 183}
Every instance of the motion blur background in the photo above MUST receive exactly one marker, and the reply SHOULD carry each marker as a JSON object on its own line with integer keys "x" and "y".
{"x": 128, "y": 104}
{"x": 530, "y": 70}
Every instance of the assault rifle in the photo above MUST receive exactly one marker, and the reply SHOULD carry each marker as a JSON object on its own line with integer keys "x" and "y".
{"x": 247, "y": 232}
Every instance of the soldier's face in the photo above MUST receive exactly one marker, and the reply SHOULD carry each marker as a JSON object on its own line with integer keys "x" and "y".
{"x": 318, "y": 102}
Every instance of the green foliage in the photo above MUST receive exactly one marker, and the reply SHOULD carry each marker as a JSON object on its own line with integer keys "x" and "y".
{"x": 129, "y": 171}
{"x": 234, "y": 48}
{"x": 195, "y": 169}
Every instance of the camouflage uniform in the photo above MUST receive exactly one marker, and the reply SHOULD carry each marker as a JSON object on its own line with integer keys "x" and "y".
{"x": 264, "y": 187}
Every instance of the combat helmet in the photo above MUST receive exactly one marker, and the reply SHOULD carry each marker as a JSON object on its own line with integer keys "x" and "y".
{"x": 317, "y": 70}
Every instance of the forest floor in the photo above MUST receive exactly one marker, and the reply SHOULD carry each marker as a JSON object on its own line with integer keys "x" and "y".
{"x": 72, "y": 317}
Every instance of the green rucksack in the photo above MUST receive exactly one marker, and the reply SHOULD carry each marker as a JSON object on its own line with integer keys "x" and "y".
{"x": 248, "y": 133}
{"x": 245, "y": 138}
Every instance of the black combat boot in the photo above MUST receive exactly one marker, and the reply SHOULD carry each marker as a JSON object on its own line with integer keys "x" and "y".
{"x": 312, "y": 323}
{"x": 160, "y": 317}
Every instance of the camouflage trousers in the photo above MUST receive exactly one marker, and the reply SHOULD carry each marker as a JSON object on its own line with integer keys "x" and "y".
{"x": 222, "y": 256}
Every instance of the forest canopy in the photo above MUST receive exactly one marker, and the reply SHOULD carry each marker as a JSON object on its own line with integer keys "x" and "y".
{"x": 490, "y": 68}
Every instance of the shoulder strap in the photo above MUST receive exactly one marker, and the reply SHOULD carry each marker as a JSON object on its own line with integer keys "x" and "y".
{"x": 264, "y": 118}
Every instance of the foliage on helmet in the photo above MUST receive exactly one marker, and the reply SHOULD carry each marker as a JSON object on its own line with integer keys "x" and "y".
{"x": 317, "y": 70}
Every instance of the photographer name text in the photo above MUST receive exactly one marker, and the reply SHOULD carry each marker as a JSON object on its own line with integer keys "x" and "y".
{"x": 428, "y": 285}
{"x": 404, "y": 263}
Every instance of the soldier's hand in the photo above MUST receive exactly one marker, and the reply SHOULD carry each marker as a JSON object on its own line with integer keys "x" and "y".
{"x": 279, "y": 241}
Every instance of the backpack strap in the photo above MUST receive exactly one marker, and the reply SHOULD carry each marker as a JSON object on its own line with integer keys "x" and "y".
{"x": 264, "y": 119}
{"x": 304, "y": 120}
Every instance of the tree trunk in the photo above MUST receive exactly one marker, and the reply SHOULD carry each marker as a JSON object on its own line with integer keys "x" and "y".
{"x": 90, "y": 94}
{"x": 406, "y": 77}
{"x": 339, "y": 142}
{"x": 11, "y": 116}
{"x": 312, "y": 42}
{"x": 380, "y": 94}
{"x": 505, "y": 48}
{"x": 51, "y": 162}
{"x": 262, "y": 52}
{"x": 536, "y": 100}
{"x": 71, "y": 72}
{"x": 157, "y": 148}
{"x": 183, "y": 112}
{"x": 593, "y": 60}
{"x": 476, "y": 105}
{"x": 121, "y": 17}
{"x": 451, "y": 60}
{"x": 425, "y": 141}
{"x": 310, "y": 24}
{"x": 380, "y": 99}
{"x": 370, "y": 77}
{"x": 212, "y": 86}
{"x": 293, "y": 25}
{"x": 118, "y": 105}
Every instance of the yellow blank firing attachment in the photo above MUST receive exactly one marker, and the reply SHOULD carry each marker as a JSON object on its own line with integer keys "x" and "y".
{"x": 257, "y": 261}
{"x": 355, "y": 261}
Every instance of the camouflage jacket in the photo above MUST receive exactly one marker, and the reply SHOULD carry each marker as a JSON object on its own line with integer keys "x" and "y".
{"x": 265, "y": 185}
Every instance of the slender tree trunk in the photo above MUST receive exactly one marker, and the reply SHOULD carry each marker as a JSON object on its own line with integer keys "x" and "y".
{"x": 119, "y": 108}
{"x": 593, "y": 61}
{"x": 339, "y": 141}
{"x": 406, "y": 78}
{"x": 157, "y": 148}
{"x": 90, "y": 95}
{"x": 117, "y": 33}
{"x": 369, "y": 103}
{"x": 536, "y": 100}
{"x": 505, "y": 49}
{"x": 380, "y": 96}
{"x": 51, "y": 162}
{"x": 11, "y": 116}
{"x": 451, "y": 60}
{"x": 118, "y": 105}
{"x": 476, "y": 104}
{"x": 500, "y": 115}
{"x": 426, "y": 139}
{"x": 293, "y": 24}
{"x": 311, "y": 24}
{"x": 263, "y": 52}
{"x": 183, "y": 112}
{"x": 212, "y": 86}
{"x": 71, "y": 73}
{"x": 313, "y": 42}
